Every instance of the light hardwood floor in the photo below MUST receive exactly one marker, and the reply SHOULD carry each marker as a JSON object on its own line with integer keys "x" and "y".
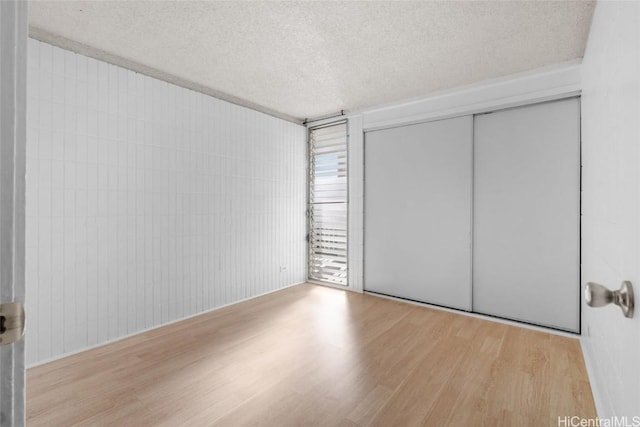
{"x": 311, "y": 355}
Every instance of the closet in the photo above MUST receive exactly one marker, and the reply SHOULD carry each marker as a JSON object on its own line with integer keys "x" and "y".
{"x": 418, "y": 212}
{"x": 479, "y": 213}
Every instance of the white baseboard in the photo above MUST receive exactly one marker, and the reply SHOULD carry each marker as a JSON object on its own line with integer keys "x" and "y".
{"x": 481, "y": 316}
{"x": 603, "y": 405}
{"x": 142, "y": 331}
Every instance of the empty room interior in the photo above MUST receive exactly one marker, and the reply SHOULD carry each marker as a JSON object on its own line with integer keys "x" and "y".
{"x": 345, "y": 213}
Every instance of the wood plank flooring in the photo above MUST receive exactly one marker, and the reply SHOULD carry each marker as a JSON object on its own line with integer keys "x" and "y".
{"x": 311, "y": 355}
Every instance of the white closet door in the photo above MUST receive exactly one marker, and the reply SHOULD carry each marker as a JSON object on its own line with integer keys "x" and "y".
{"x": 418, "y": 212}
{"x": 527, "y": 213}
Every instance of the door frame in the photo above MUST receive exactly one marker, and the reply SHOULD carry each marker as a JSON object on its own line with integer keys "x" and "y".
{"x": 13, "y": 98}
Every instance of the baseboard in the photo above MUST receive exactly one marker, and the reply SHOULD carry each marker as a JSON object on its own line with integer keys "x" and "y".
{"x": 603, "y": 405}
{"x": 559, "y": 332}
{"x": 142, "y": 331}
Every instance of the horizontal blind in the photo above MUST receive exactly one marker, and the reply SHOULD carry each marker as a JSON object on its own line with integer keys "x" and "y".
{"x": 328, "y": 204}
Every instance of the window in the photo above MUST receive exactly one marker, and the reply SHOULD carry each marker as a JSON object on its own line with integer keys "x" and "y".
{"x": 328, "y": 204}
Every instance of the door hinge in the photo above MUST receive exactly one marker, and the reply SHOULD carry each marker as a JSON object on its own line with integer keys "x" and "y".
{"x": 12, "y": 319}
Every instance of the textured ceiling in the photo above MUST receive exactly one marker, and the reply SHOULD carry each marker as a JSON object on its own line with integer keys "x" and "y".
{"x": 308, "y": 59}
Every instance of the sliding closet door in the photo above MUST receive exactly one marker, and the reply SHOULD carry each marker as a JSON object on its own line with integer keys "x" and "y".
{"x": 526, "y": 214}
{"x": 418, "y": 212}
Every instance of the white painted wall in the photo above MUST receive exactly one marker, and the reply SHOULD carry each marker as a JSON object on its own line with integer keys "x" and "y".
{"x": 611, "y": 201}
{"x": 355, "y": 216}
{"x": 147, "y": 203}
